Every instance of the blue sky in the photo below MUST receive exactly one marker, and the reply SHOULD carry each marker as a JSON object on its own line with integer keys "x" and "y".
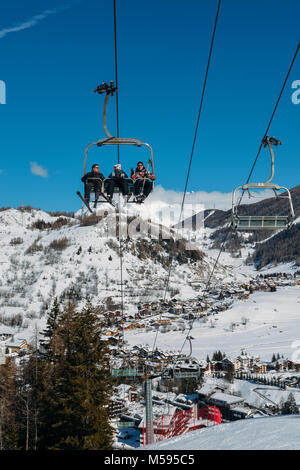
{"x": 54, "y": 53}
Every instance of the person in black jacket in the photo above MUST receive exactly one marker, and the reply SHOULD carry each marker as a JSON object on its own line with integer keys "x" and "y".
{"x": 93, "y": 181}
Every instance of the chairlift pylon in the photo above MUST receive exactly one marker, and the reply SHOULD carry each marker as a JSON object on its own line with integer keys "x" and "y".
{"x": 265, "y": 222}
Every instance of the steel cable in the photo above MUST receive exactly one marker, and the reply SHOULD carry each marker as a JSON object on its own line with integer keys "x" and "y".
{"x": 171, "y": 257}
{"x": 229, "y": 229}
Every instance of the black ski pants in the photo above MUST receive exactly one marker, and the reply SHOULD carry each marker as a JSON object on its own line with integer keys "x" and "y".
{"x": 95, "y": 187}
{"x": 138, "y": 187}
{"x": 121, "y": 183}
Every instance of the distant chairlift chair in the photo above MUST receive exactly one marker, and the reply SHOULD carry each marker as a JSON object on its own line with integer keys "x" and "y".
{"x": 184, "y": 371}
{"x": 255, "y": 222}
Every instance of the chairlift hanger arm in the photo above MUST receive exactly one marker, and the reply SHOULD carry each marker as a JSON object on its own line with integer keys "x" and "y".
{"x": 256, "y": 222}
{"x": 105, "y": 88}
{"x": 189, "y": 339}
{"x": 109, "y": 90}
{"x": 267, "y": 184}
{"x": 269, "y": 142}
{"x": 111, "y": 140}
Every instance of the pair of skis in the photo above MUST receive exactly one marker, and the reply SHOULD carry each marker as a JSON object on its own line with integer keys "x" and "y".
{"x": 110, "y": 201}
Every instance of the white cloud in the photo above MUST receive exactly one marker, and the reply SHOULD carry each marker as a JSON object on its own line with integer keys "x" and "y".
{"x": 32, "y": 21}
{"x": 165, "y": 204}
{"x": 210, "y": 200}
{"x": 38, "y": 170}
{"x": 215, "y": 199}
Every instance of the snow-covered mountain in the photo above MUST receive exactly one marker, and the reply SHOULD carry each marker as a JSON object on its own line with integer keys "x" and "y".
{"x": 266, "y": 247}
{"x": 45, "y": 255}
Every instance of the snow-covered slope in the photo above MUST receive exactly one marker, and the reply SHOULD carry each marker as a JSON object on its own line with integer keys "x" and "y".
{"x": 272, "y": 433}
{"x": 74, "y": 261}
{"x": 265, "y": 323}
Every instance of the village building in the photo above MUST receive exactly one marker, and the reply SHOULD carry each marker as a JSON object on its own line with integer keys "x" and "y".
{"x": 260, "y": 368}
{"x": 116, "y": 407}
{"x": 226, "y": 403}
{"x": 16, "y": 346}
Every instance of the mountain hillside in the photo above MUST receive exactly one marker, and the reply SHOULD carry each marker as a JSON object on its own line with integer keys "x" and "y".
{"x": 267, "y": 247}
{"x": 43, "y": 256}
{"x": 270, "y": 206}
{"x": 74, "y": 256}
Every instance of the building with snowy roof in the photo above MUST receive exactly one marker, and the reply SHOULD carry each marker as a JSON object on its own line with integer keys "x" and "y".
{"x": 224, "y": 399}
{"x": 226, "y": 404}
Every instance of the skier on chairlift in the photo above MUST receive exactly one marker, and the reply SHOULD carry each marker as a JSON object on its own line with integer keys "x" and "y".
{"x": 118, "y": 178}
{"x": 93, "y": 182}
{"x": 142, "y": 182}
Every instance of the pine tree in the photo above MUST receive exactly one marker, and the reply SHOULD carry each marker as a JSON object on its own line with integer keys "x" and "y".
{"x": 76, "y": 394}
{"x": 52, "y": 322}
{"x": 9, "y": 429}
{"x": 30, "y": 388}
{"x": 217, "y": 356}
{"x": 289, "y": 407}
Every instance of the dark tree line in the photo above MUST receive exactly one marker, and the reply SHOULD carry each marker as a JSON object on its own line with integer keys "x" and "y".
{"x": 283, "y": 247}
{"x": 57, "y": 397}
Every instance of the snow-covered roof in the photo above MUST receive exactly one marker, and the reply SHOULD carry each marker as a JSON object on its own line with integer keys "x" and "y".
{"x": 241, "y": 410}
{"x": 206, "y": 389}
{"x": 224, "y": 397}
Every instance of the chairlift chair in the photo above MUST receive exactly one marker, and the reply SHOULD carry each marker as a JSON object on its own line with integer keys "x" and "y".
{"x": 128, "y": 368}
{"x": 110, "y": 140}
{"x": 178, "y": 373}
{"x": 185, "y": 374}
{"x": 265, "y": 222}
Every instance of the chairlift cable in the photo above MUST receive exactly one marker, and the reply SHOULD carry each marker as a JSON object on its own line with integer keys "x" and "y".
{"x": 118, "y": 147}
{"x": 229, "y": 228}
{"x": 171, "y": 257}
{"x": 116, "y": 75}
{"x": 200, "y": 107}
{"x": 121, "y": 272}
{"x": 272, "y": 116}
{"x": 260, "y": 147}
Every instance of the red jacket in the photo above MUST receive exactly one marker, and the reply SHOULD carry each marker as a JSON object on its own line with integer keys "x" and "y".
{"x": 140, "y": 174}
